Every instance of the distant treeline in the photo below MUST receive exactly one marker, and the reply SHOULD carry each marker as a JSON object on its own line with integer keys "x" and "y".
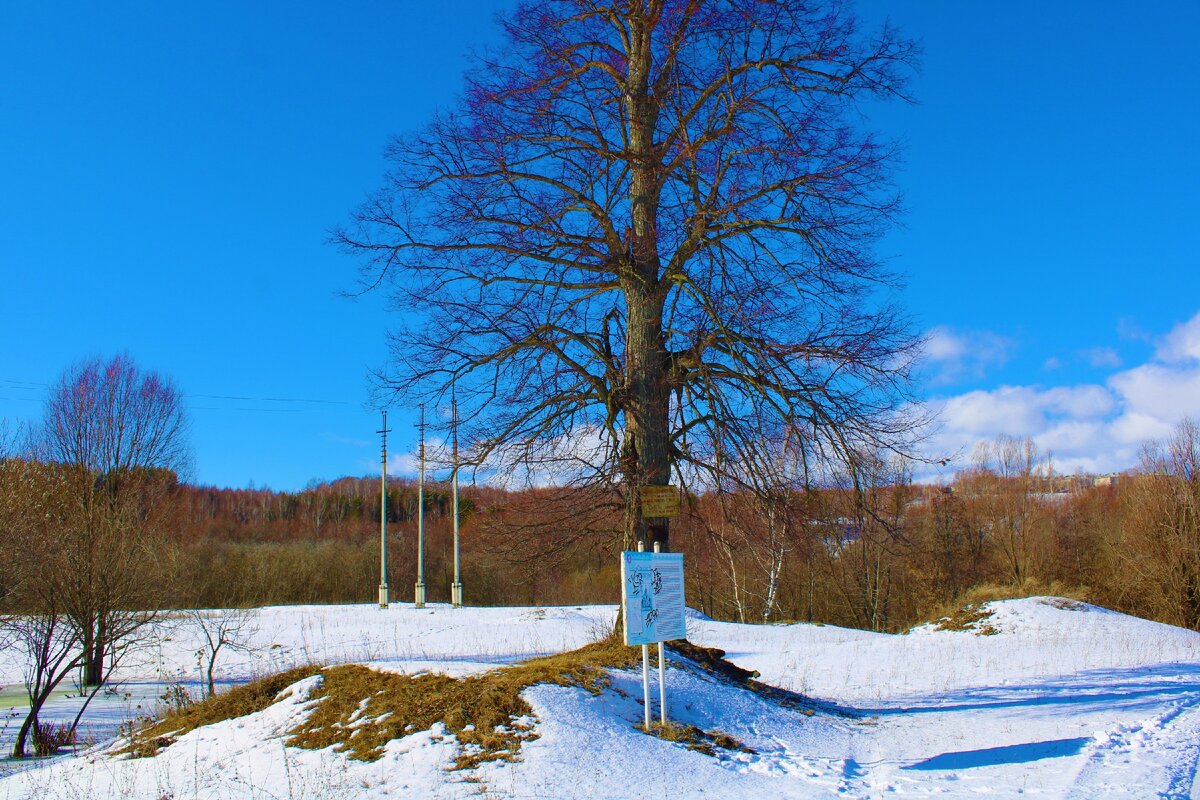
{"x": 883, "y": 556}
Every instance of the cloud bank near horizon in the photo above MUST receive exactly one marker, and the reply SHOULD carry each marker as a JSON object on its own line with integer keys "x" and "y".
{"x": 1087, "y": 427}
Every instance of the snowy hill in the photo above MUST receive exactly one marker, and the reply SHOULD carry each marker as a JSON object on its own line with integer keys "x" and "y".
{"x": 1040, "y": 697}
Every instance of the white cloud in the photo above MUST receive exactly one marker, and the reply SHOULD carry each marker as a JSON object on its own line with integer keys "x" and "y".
{"x": 1085, "y": 401}
{"x": 408, "y": 464}
{"x": 1165, "y": 392}
{"x": 556, "y": 462}
{"x": 1129, "y": 330}
{"x": 1087, "y": 427}
{"x": 1134, "y": 428}
{"x": 1071, "y": 423}
{"x": 1070, "y": 436}
{"x": 988, "y": 413}
{"x": 1102, "y": 357}
{"x": 1059, "y": 415}
{"x": 942, "y": 345}
{"x": 961, "y": 355}
{"x": 1182, "y": 344}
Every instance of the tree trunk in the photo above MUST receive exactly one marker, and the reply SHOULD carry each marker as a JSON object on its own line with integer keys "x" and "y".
{"x": 89, "y": 648}
{"x": 30, "y": 726}
{"x": 647, "y": 434}
{"x": 30, "y": 722}
{"x": 212, "y": 665}
{"x": 94, "y": 647}
{"x": 646, "y": 460}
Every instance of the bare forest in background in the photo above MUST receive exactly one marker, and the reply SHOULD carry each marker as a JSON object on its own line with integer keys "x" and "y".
{"x": 883, "y": 556}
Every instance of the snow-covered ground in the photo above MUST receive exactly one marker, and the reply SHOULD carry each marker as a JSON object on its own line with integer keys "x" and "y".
{"x": 1062, "y": 700}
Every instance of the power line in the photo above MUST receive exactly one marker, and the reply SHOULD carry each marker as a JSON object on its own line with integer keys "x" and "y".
{"x": 269, "y": 399}
{"x": 189, "y": 408}
{"x": 35, "y": 386}
{"x": 235, "y": 408}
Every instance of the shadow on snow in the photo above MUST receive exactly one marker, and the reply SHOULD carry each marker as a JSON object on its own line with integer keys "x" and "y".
{"x": 995, "y": 756}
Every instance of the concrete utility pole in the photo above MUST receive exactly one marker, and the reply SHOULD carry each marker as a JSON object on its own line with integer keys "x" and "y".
{"x": 419, "y": 598}
{"x": 383, "y": 584}
{"x": 456, "y": 587}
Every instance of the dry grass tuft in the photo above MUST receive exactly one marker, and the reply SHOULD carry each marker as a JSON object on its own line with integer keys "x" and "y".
{"x": 706, "y": 742}
{"x": 971, "y": 617}
{"x": 360, "y": 710}
{"x": 236, "y": 702}
{"x": 1031, "y": 587}
{"x": 50, "y": 737}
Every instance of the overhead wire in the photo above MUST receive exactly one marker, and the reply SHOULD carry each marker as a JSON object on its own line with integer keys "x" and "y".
{"x": 19, "y": 385}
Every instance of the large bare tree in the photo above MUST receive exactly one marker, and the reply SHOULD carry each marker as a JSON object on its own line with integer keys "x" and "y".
{"x": 642, "y": 242}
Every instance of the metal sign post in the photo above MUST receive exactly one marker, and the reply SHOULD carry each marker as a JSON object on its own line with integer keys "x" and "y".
{"x": 645, "y": 665}
{"x": 662, "y": 672}
{"x": 653, "y": 604}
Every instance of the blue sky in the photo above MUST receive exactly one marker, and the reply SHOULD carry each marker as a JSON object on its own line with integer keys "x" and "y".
{"x": 170, "y": 173}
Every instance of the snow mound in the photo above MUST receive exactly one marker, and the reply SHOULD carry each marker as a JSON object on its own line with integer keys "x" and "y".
{"x": 762, "y": 735}
{"x": 1042, "y": 616}
{"x": 1052, "y": 617}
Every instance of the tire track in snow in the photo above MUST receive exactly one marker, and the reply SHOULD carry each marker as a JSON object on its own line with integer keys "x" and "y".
{"x": 1156, "y": 757}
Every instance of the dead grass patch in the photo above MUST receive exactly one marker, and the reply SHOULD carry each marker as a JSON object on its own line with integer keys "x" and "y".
{"x": 359, "y": 710}
{"x": 706, "y": 742}
{"x": 971, "y": 617}
{"x": 1031, "y": 587}
{"x": 236, "y": 702}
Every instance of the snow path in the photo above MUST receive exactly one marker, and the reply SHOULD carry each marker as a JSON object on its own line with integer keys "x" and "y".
{"x": 1161, "y": 752}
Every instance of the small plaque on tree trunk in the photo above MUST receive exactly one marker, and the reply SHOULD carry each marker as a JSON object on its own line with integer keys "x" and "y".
{"x": 660, "y": 501}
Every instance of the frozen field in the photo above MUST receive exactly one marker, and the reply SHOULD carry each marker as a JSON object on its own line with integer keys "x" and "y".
{"x": 1060, "y": 700}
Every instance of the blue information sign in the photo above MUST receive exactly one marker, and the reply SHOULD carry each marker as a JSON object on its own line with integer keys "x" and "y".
{"x": 652, "y": 596}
